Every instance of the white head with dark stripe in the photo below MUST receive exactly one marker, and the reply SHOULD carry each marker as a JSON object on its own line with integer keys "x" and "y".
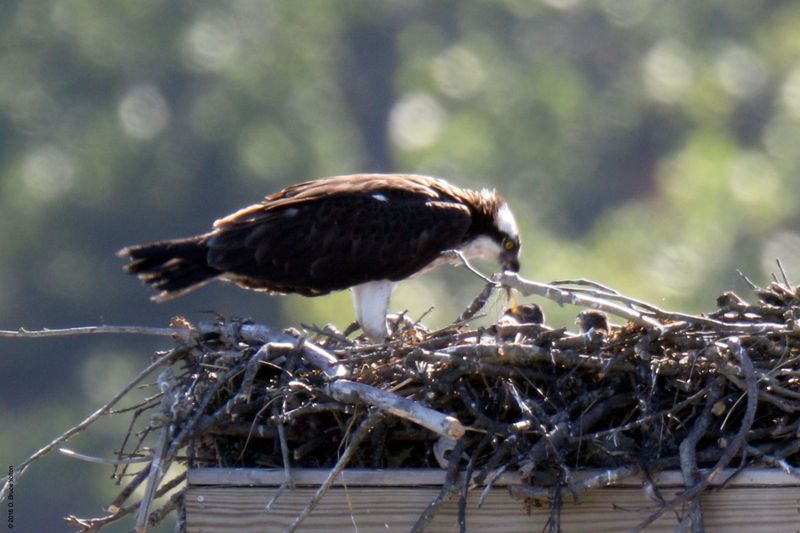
{"x": 495, "y": 234}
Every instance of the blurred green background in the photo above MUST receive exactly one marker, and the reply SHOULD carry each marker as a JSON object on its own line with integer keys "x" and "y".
{"x": 652, "y": 146}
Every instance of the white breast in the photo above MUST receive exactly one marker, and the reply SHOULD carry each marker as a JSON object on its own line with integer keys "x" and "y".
{"x": 371, "y": 301}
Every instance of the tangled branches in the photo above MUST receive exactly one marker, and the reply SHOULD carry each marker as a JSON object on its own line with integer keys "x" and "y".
{"x": 664, "y": 390}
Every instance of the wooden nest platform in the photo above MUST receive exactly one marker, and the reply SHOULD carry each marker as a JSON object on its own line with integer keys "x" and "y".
{"x": 705, "y": 395}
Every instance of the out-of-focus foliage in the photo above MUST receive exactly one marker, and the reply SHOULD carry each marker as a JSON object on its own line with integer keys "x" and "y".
{"x": 652, "y": 146}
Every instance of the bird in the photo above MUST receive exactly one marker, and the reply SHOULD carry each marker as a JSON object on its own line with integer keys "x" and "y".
{"x": 363, "y": 232}
{"x": 508, "y": 326}
{"x": 529, "y": 313}
{"x": 593, "y": 320}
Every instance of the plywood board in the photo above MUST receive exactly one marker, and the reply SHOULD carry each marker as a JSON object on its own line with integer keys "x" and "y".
{"x": 771, "y": 506}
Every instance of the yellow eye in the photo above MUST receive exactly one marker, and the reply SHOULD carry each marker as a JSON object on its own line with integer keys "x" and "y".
{"x": 509, "y": 244}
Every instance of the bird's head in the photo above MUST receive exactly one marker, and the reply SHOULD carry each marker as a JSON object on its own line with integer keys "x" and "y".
{"x": 593, "y": 319}
{"x": 527, "y": 313}
{"x": 507, "y": 238}
{"x": 494, "y": 235}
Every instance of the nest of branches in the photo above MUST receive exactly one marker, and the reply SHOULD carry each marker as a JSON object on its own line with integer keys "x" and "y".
{"x": 703, "y": 394}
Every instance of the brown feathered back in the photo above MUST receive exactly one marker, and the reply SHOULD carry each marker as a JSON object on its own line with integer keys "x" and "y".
{"x": 325, "y": 235}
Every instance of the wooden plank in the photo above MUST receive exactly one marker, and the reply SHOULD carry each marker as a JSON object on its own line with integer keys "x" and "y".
{"x": 421, "y": 477}
{"x": 228, "y": 509}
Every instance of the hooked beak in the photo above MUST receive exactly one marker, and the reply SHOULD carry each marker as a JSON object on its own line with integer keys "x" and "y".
{"x": 510, "y": 261}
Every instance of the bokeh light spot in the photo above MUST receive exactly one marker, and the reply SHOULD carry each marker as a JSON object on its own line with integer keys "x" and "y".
{"x": 668, "y": 73}
{"x": 782, "y": 137}
{"x": 741, "y": 71}
{"x": 624, "y": 13}
{"x": 753, "y": 178}
{"x": 562, "y": 4}
{"x": 212, "y": 42}
{"x": 791, "y": 92}
{"x": 458, "y": 72}
{"x": 143, "y": 112}
{"x": 48, "y": 172}
{"x": 416, "y": 121}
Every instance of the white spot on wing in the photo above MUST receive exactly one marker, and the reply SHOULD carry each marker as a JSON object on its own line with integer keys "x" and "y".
{"x": 380, "y": 197}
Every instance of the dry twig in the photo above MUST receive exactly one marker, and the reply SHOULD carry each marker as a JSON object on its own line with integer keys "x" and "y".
{"x": 661, "y": 391}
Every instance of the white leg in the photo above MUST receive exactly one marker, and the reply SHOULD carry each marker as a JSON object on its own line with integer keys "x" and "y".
{"x": 371, "y": 301}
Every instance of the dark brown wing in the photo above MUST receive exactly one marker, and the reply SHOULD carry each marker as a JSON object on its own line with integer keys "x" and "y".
{"x": 316, "y": 242}
{"x": 355, "y": 185}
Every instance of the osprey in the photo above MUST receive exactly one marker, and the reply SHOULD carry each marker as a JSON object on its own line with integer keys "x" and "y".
{"x": 365, "y": 232}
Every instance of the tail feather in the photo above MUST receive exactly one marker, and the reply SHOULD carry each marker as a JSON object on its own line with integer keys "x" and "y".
{"x": 171, "y": 267}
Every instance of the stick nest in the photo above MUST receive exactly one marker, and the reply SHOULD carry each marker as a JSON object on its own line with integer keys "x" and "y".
{"x": 663, "y": 390}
